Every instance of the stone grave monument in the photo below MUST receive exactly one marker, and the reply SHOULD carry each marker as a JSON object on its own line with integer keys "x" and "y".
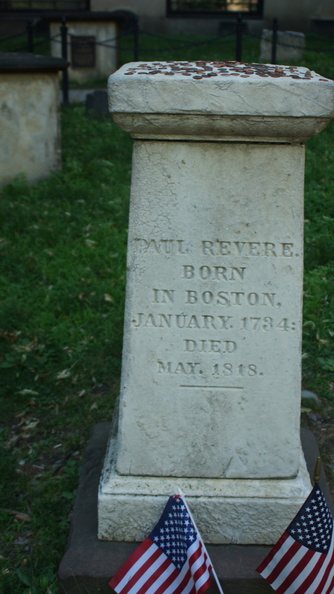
{"x": 30, "y": 131}
{"x": 290, "y": 46}
{"x": 92, "y": 47}
{"x": 211, "y": 377}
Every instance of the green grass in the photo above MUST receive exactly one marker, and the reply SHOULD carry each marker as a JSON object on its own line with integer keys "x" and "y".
{"x": 63, "y": 244}
{"x": 62, "y": 280}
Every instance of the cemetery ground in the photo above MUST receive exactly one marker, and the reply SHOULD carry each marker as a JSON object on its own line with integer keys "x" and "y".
{"x": 62, "y": 283}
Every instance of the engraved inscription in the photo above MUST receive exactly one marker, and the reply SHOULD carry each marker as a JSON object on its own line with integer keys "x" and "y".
{"x": 209, "y": 346}
{"x": 215, "y": 273}
{"x": 177, "y": 311}
{"x": 178, "y": 368}
{"x": 209, "y": 322}
{"x": 247, "y": 249}
{"x": 267, "y": 323}
{"x": 231, "y": 298}
{"x": 161, "y": 246}
{"x": 163, "y": 295}
{"x": 217, "y": 370}
{"x": 228, "y": 369}
{"x": 182, "y": 321}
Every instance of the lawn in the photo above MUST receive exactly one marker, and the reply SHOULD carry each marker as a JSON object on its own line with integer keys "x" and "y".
{"x": 62, "y": 281}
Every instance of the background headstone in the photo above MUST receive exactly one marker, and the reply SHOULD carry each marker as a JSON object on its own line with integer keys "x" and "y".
{"x": 290, "y": 46}
{"x": 29, "y": 115}
{"x": 92, "y": 46}
{"x": 97, "y": 104}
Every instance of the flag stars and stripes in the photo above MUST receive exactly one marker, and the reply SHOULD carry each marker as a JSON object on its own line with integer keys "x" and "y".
{"x": 172, "y": 559}
{"x": 302, "y": 561}
{"x": 180, "y": 522}
{"x": 314, "y": 530}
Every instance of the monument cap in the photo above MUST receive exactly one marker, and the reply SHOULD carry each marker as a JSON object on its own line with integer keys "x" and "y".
{"x": 286, "y": 102}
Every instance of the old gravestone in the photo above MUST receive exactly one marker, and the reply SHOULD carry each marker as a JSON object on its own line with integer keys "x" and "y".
{"x": 91, "y": 44}
{"x": 290, "y": 46}
{"x": 29, "y": 115}
{"x": 210, "y": 388}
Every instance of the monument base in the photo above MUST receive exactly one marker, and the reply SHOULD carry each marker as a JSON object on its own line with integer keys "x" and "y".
{"x": 226, "y": 511}
{"x": 89, "y": 563}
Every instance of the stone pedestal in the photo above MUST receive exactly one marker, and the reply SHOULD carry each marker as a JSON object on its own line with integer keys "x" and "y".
{"x": 29, "y": 115}
{"x": 88, "y": 563}
{"x": 210, "y": 389}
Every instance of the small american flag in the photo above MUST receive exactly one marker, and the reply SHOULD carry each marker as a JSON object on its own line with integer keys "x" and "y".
{"x": 171, "y": 560}
{"x": 302, "y": 561}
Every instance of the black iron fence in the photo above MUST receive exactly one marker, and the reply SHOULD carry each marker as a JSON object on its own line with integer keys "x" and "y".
{"x": 130, "y": 29}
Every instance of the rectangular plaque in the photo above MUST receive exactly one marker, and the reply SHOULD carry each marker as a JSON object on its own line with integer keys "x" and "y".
{"x": 83, "y": 51}
{"x": 211, "y": 363}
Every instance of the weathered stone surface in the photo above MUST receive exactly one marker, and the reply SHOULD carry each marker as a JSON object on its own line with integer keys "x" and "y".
{"x": 213, "y": 312}
{"x": 224, "y": 88}
{"x": 89, "y": 563}
{"x": 290, "y": 46}
{"x": 239, "y": 511}
{"x": 29, "y": 118}
{"x": 210, "y": 387}
{"x": 220, "y": 100}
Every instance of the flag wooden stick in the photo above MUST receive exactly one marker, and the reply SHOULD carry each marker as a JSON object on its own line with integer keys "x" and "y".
{"x": 193, "y": 521}
{"x": 317, "y": 471}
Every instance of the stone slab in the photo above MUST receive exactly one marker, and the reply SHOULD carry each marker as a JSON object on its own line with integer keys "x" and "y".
{"x": 213, "y": 311}
{"x": 89, "y": 564}
{"x": 11, "y": 62}
{"x": 30, "y": 134}
{"x": 244, "y": 101}
{"x": 227, "y": 511}
{"x": 220, "y": 88}
{"x": 248, "y": 102}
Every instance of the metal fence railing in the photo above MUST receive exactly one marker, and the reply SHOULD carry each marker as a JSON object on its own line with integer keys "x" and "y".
{"x": 131, "y": 29}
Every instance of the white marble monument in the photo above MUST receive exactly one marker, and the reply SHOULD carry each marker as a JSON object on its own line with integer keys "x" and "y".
{"x": 211, "y": 377}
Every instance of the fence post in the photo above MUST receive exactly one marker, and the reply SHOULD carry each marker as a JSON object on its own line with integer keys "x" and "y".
{"x": 30, "y": 36}
{"x": 274, "y": 42}
{"x": 136, "y": 42}
{"x": 238, "y": 49}
{"x": 63, "y": 32}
